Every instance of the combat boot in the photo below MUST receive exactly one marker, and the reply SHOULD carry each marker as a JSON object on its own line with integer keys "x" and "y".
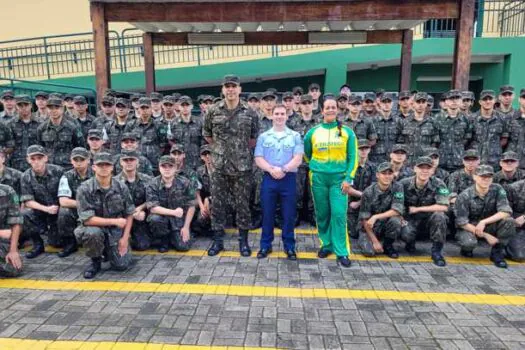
{"x": 70, "y": 247}
{"x": 244, "y": 247}
{"x": 388, "y": 247}
{"x": 437, "y": 257}
{"x": 497, "y": 256}
{"x": 38, "y": 248}
{"x": 94, "y": 268}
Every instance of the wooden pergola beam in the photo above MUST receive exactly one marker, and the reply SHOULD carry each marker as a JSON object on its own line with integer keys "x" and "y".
{"x": 463, "y": 46}
{"x": 149, "y": 62}
{"x": 101, "y": 47}
{"x": 280, "y": 11}
{"x": 406, "y": 60}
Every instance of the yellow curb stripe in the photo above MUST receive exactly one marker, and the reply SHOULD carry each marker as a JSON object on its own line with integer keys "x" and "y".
{"x": 30, "y": 344}
{"x": 260, "y": 291}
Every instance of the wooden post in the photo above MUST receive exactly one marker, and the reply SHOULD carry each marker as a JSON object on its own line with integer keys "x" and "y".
{"x": 406, "y": 60}
{"x": 101, "y": 44}
{"x": 463, "y": 45}
{"x": 149, "y": 62}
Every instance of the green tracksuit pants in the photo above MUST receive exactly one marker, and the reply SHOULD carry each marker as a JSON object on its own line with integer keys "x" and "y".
{"x": 330, "y": 211}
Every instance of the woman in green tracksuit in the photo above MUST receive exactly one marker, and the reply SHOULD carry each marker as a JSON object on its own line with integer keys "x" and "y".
{"x": 331, "y": 151}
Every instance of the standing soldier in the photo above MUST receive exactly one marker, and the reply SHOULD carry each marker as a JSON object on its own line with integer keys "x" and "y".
{"x": 342, "y": 107}
{"x": 106, "y": 113}
{"x": 156, "y": 105}
{"x": 70, "y": 105}
{"x": 67, "y": 198}
{"x": 462, "y": 179}
{"x": 8, "y": 101}
{"x": 11, "y": 221}
{"x": 490, "y": 132}
{"x": 39, "y": 189}
{"x": 187, "y": 131}
{"x": 134, "y": 98}
{"x": 24, "y": 130}
{"x": 381, "y": 213}
{"x": 231, "y": 127}
{"x": 59, "y": 135}
{"x": 41, "y": 105}
{"x": 297, "y": 93}
{"x": 288, "y": 102}
{"x": 516, "y": 195}
{"x": 509, "y": 172}
{"x": 405, "y": 104}
{"x": 254, "y": 102}
{"x": 168, "y": 113}
{"x": 115, "y": 128}
{"x": 386, "y": 127}
{"x": 506, "y": 96}
{"x": 467, "y": 101}
{"x": 95, "y": 142}
{"x": 517, "y": 125}
{"x": 105, "y": 213}
{"x": 314, "y": 90}
{"x": 363, "y": 128}
{"x": 483, "y": 211}
{"x": 81, "y": 114}
{"x": 369, "y": 105}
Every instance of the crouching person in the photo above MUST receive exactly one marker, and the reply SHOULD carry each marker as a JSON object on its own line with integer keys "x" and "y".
{"x": 483, "y": 212}
{"x": 105, "y": 211}
{"x": 382, "y": 205}
{"x": 516, "y": 195}
{"x": 171, "y": 202}
{"x": 10, "y": 228}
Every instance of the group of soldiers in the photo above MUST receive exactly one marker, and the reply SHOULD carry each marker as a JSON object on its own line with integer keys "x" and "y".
{"x": 143, "y": 171}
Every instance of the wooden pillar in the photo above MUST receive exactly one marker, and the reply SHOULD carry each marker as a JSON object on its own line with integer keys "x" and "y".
{"x": 149, "y": 62}
{"x": 463, "y": 45}
{"x": 406, "y": 60}
{"x": 101, "y": 45}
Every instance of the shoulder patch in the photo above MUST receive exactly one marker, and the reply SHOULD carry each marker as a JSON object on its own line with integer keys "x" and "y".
{"x": 502, "y": 192}
{"x": 443, "y": 191}
{"x": 399, "y": 195}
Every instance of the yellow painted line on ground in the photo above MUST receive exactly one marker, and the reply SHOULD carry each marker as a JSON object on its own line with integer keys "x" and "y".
{"x": 277, "y": 231}
{"x": 261, "y": 291}
{"x": 30, "y": 344}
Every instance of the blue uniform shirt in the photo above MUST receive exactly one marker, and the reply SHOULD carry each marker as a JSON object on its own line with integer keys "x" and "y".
{"x": 278, "y": 148}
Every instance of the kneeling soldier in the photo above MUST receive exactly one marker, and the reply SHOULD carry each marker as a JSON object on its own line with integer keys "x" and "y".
{"x": 105, "y": 211}
{"x": 426, "y": 204}
{"x": 171, "y": 201}
{"x": 483, "y": 211}
{"x": 382, "y": 205}
{"x": 11, "y": 226}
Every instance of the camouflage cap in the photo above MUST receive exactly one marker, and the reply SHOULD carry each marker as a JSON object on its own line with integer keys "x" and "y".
{"x": 55, "y": 95}
{"x": 313, "y": 86}
{"x": 268, "y": 94}
{"x": 144, "y": 101}
{"x": 128, "y": 136}
{"x": 7, "y": 94}
{"x": 363, "y": 143}
{"x": 177, "y": 95}
{"x": 42, "y": 94}
{"x": 95, "y": 133}
{"x": 471, "y": 153}
{"x": 522, "y": 93}
{"x": 506, "y": 88}
{"x": 135, "y": 97}
{"x": 156, "y": 96}
{"x": 177, "y": 148}
{"x": 253, "y": 96}
{"x": 185, "y": 100}
{"x": 421, "y": 96}
{"x": 454, "y": 94}
{"x": 424, "y": 161}
{"x": 103, "y": 158}
{"x": 23, "y": 99}
{"x": 379, "y": 92}
{"x": 404, "y": 94}
{"x": 207, "y": 98}
{"x": 80, "y": 152}
{"x": 166, "y": 160}
{"x": 36, "y": 149}
{"x": 110, "y": 92}
{"x": 468, "y": 95}
{"x": 354, "y": 99}
{"x": 54, "y": 102}
{"x": 108, "y": 99}
{"x": 370, "y": 96}
{"x": 80, "y": 100}
{"x": 297, "y": 90}
{"x": 431, "y": 151}
{"x": 125, "y": 154}
{"x": 399, "y": 147}
{"x": 231, "y": 79}
{"x": 69, "y": 97}
{"x": 510, "y": 155}
{"x": 484, "y": 170}
{"x": 387, "y": 97}
{"x": 287, "y": 95}
{"x": 169, "y": 100}
{"x": 306, "y": 98}
{"x": 487, "y": 93}
{"x": 342, "y": 97}
{"x": 123, "y": 102}
{"x": 385, "y": 166}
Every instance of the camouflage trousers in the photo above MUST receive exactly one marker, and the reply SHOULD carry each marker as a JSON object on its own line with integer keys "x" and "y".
{"x": 384, "y": 229}
{"x": 435, "y": 224}
{"x": 255, "y": 196}
{"x": 305, "y": 202}
{"x": 167, "y": 228}
{"x": 239, "y": 188}
{"x": 140, "y": 235}
{"x": 6, "y": 270}
{"x": 37, "y": 223}
{"x": 99, "y": 241}
{"x": 67, "y": 222}
{"x": 516, "y": 245}
{"x": 504, "y": 230}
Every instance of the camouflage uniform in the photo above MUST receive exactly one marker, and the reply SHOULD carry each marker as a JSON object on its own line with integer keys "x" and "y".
{"x": 9, "y": 216}
{"x": 152, "y": 136}
{"x": 516, "y": 196}
{"x": 486, "y": 138}
{"x": 60, "y": 140}
{"x": 43, "y": 190}
{"x": 200, "y": 224}
{"x": 472, "y": 208}
{"x": 140, "y": 235}
{"x": 11, "y": 177}
{"x": 375, "y": 201}
{"x": 442, "y": 174}
{"x": 454, "y": 135}
{"x": 363, "y": 128}
{"x": 459, "y": 181}
{"x": 232, "y": 158}
{"x": 434, "y": 192}
{"x": 85, "y": 124}
{"x": 190, "y": 136}
{"x": 181, "y": 194}
{"x": 404, "y": 173}
{"x": 387, "y": 133}
{"x": 115, "y": 131}
{"x": 500, "y": 178}
{"x": 6, "y": 136}
{"x": 365, "y": 176}
{"x": 25, "y": 135}
{"x": 114, "y": 202}
{"x": 417, "y": 135}
{"x": 143, "y": 167}
{"x": 517, "y": 138}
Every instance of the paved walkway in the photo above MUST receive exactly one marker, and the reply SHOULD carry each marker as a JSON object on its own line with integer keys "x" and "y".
{"x": 191, "y": 301}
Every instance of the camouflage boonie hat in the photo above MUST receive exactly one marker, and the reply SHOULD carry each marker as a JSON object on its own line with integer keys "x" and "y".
{"x": 384, "y": 167}
{"x": 510, "y": 155}
{"x": 399, "y": 147}
{"x": 205, "y": 148}
{"x": 95, "y": 133}
{"x": 177, "y": 148}
{"x": 231, "y": 79}
{"x": 80, "y": 100}
{"x": 80, "y": 152}
{"x": 36, "y": 149}
{"x": 306, "y": 98}
{"x": 424, "y": 161}
{"x": 124, "y": 154}
{"x": 54, "y": 102}
{"x": 363, "y": 143}
{"x": 23, "y": 99}
{"x": 166, "y": 160}
{"x": 128, "y": 136}
{"x": 484, "y": 170}
{"x": 103, "y": 158}
{"x": 487, "y": 93}
{"x": 471, "y": 153}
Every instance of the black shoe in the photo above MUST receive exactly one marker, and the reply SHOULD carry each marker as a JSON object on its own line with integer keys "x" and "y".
{"x": 94, "y": 268}
{"x": 437, "y": 257}
{"x": 215, "y": 248}
{"x": 344, "y": 261}
{"x": 38, "y": 248}
{"x": 69, "y": 248}
{"x": 263, "y": 253}
{"x": 410, "y": 247}
{"x": 323, "y": 253}
{"x": 391, "y": 252}
{"x": 291, "y": 255}
{"x": 466, "y": 253}
{"x": 497, "y": 257}
{"x": 163, "y": 249}
{"x": 244, "y": 248}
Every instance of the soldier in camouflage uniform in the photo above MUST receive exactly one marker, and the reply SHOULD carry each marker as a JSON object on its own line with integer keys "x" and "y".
{"x": 364, "y": 177}
{"x": 405, "y": 105}
{"x": 81, "y": 114}
{"x": 168, "y": 115}
{"x": 129, "y": 142}
{"x": 433, "y": 153}
{"x": 398, "y": 158}
{"x": 426, "y": 205}
{"x": 380, "y": 214}
{"x": 297, "y": 92}
{"x": 69, "y": 105}
{"x": 9, "y": 176}
{"x": 9, "y": 102}
{"x": 386, "y": 127}
{"x": 187, "y": 131}
{"x": 39, "y": 189}
{"x": 455, "y": 133}
{"x": 202, "y": 219}
{"x": 95, "y": 142}
{"x": 288, "y": 103}
{"x": 171, "y": 202}
{"x": 483, "y": 212}
{"x": 231, "y": 127}
{"x": 115, "y": 128}
{"x": 67, "y": 194}
{"x": 517, "y": 127}
{"x": 467, "y": 101}
{"x": 462, "y": 179}
{"x": 24, "y": 130}
{"x": 59, "y": 135}
{"x": 490, "y": 131}
{"x": 152, "y": 134}
{"x": 106, "y": 113}
{"x": 41, "y": 103}
{"x": 179, "y": 155}
{"x": 363, "y": 128}
{"x": 516, "y": 195}
{"x": 105, "y": 212}
{"x": 506, "y": 96}
{"x": 509, "y": 172}
{"x": 418, "y": 132}
{"x": 369, "y": 106}
{"x": 254, "y": 102}
{"x": 156, "y": 105}
{"x": 11, "y": 226}
{"x": 137, "y": 184}
{"x": 342, "y": 106}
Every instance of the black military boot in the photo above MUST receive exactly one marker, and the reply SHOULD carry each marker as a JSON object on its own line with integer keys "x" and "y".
{"x": 164, "y": 245}
{"x": 94, "y": 268}
{"x": 388, "y": 247}
{"x": 38, "y": 248}
{"x": 70, "y": 247}
{"x": 244, "y": 247}
{"x": 437, "y": 257}
{"x": 497, "y": 256}
{"x": 410, "y": 247}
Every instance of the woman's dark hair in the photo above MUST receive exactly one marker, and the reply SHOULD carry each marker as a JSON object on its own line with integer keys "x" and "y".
{"x": 339, "y": 123}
